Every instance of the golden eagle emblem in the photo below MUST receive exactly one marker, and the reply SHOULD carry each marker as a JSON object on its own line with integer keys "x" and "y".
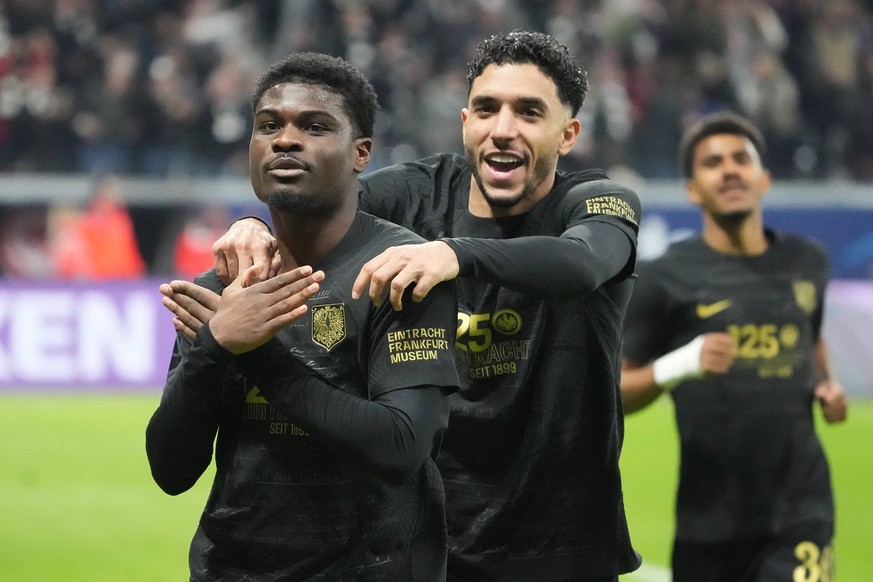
{"x": 328, "y": 324}
{"x": 805, "y": 295}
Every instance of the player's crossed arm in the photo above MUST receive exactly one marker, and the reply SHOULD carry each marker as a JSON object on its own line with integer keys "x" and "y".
{"x": 248, "y": 313}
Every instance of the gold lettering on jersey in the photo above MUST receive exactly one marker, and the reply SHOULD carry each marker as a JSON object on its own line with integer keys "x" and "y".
{"x": 500, "y": 358}
{"x": 268, "y": 416}
{"x": 485, "y": 357}
{"x": 805, "y": 295}
{"x": 707, "y": 310}
{"x": 328, "y": 324}
{"x": 612, "y": 206}
{"x": 416, "y": 344}
{"x": 767, "y": 348}
{"x": 287, "y": 429}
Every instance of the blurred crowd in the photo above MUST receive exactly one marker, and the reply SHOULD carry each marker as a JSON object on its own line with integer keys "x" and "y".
{"x": 161, "y": 87}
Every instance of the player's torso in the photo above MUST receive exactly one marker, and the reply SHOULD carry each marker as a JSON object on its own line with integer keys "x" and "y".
{"x": 768, "y": 304}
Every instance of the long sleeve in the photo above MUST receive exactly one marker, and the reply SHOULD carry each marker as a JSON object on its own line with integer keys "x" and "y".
{"x": 393, "y": 433}
{"x": 181, "y": 432}
{"x": 580, "y": 260}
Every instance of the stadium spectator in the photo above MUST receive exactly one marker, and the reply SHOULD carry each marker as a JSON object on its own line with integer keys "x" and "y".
{"x": 327, "y": 413}
{"x": 729, "y": 323}
{"x": 544, "y": 263}
{"x": 192, "y": 250}
{"x": 24, "y": 246}
{"x": 99, "y": 242}
{"x": 68, "y": 68}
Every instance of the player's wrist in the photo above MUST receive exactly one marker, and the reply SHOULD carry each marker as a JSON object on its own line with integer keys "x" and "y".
{"x": 257, "y": 219}
{"x": 680, "y": 365}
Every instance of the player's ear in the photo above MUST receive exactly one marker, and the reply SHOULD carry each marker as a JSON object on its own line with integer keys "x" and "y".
{"x": 569, "y": 135}
{"x": 692, "y": 192}
{"x": 362, "y": 153}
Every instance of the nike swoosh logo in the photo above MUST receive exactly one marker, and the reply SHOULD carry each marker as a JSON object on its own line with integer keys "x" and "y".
{"x": 705, "y": 311}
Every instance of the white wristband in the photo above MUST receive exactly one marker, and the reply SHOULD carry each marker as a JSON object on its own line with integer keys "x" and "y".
{"x": 679, "y": 365}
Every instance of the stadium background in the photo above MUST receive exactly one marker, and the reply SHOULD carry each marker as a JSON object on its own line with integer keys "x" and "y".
{"x": 153, "y": 95}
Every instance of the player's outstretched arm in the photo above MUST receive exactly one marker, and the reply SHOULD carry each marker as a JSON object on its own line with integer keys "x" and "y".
{"x": 711, "y": 353}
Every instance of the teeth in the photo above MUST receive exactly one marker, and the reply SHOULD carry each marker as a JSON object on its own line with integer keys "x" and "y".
{"x": 503, "y": 159}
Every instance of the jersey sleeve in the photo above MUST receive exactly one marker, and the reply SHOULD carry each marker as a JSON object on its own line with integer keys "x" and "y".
{"x": 393, "y": 429}
{"x": 181, "y": 432}
{"x": 418, "y": 195}
{"x": 645, "y": 326}
{"x": 594, "y": 243}
{"x": 415, "y": 346}
{"x": 820, "y": 266}
{"x": 198, "y": 392}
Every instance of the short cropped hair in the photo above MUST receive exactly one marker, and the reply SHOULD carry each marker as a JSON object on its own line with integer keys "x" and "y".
{"x": 536, "y": 48}
{"x": 333, "y": 73}
{"x": 712, "y": 124}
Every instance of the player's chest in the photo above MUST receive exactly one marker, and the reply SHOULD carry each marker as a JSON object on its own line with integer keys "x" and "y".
{"x": 762, "y": 310}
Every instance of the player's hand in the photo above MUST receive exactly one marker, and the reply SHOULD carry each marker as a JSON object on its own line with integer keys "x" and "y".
{"x": 249, "y": 313}
{"x": 191, "y": 304}
{"x": 246, "y": 242}
{"x": 718, "y": 353}
{"x": 834, "y": 404}
{"x": 423, "y": 265}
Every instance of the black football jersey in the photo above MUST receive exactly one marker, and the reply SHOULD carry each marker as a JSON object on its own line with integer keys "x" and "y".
{"x": 286, "y": 504}
{"x": 751, "y": 463}
{"x": 530, "y": 458}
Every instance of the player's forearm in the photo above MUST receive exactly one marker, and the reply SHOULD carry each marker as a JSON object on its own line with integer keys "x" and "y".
{"x": 181, "y": 431}
{"x": 642, "y": 385}
{"x": 822, "y": 362}
{"x": 574, "y": 264}
{"x": 638, "y": 388}
{"x": 392, "y": 434}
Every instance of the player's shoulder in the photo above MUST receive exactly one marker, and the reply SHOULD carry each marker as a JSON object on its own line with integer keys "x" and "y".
{"x": 797, "y": 248}
{"x": 428, "y": 168}
{"x": 591, "y": 182}
{"x": 795, "y": 242}
{"x": 375, "y": 230}
{"x": 596, "y": 194}
{"x": 679, "y": 254}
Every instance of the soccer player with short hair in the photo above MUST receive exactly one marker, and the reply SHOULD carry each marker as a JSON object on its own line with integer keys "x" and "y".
{"x": 729, "y": 322}
{"x": 328, "y": 411}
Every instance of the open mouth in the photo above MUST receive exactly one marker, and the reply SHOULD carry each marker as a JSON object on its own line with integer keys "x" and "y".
{"x": 503, "y": 163}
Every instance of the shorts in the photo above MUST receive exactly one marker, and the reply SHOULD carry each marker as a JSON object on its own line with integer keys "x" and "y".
{"x": 803, "y": 553}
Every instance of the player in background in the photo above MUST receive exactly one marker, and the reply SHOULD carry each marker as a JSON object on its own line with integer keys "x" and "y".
{"x": 729, "y": 323}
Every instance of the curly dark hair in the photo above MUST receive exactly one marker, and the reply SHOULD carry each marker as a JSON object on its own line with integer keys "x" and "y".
{"x": 712, "y": 124}
{"x": 536, "y": 48}
{"x": 333, "y": 73}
